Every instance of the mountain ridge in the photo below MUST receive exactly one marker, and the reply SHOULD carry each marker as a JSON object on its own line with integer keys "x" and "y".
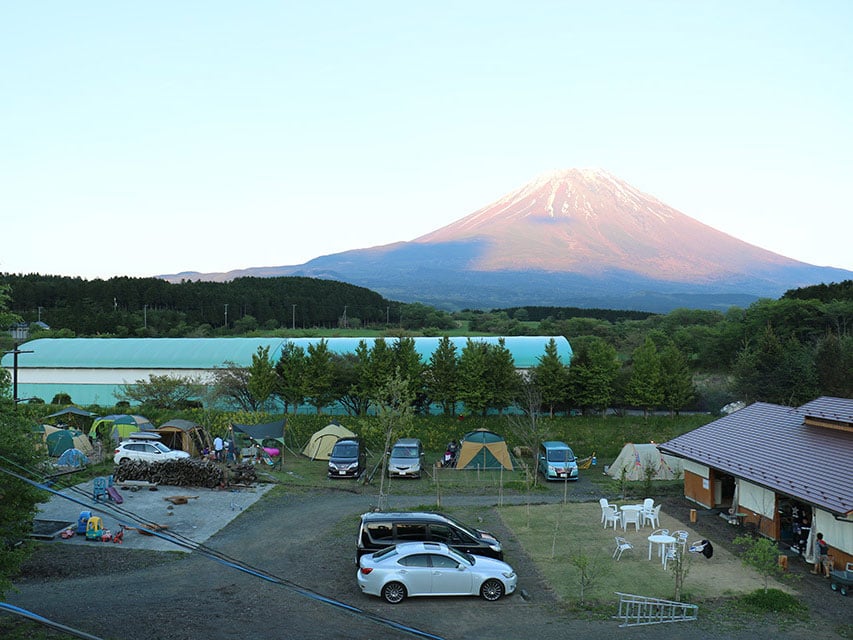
{"x": 576, "y": 237}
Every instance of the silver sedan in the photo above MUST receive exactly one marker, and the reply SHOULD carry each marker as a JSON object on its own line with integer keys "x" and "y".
{"x": 432, "y": 569}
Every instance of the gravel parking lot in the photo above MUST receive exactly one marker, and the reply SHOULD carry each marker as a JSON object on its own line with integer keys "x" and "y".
{"x": 306, "y": 540}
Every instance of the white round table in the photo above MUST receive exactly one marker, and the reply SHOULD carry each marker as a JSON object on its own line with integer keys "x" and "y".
{"x": 660, "y": 540}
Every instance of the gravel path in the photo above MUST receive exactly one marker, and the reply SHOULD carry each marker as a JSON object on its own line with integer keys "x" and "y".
{"x": 307, "y": 538}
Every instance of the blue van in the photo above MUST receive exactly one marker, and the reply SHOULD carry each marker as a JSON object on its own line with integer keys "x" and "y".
{"x": 557, "y": 461}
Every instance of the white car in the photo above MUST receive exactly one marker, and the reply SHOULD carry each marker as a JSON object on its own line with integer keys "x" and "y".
{"x": 145, "y": 447}
{"x": 432, "y": 569}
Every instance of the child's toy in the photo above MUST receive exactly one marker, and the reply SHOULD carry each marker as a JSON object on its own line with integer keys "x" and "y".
{"x": 94, "y": 528}
{"x": 82, "y": 521}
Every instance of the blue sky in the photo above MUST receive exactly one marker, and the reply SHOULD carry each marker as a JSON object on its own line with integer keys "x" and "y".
{"x": 152, "y": 138}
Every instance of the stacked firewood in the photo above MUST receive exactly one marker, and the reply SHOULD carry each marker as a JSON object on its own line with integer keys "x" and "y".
{"x": 187, "y": 472}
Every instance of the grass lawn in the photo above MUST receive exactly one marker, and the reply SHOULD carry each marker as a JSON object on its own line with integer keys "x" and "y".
{"x": 553, "y": 534}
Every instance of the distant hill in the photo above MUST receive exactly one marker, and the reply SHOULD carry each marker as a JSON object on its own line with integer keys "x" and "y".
{"x": 580, "y": 238}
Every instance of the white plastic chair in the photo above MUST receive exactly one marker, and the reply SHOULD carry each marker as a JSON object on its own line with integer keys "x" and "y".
{"x": 611, "y": 515}
{"x": 604, "y": 504}
{"x": 648, "y": 505}
{"x": 669, "y": 554}
{"x": 659, "y": 532}
{"x": 630, "y": 516}
{"x": 681, "y": 538}
{"x": 652, "y": 517}
{"x": 621, "y": 545}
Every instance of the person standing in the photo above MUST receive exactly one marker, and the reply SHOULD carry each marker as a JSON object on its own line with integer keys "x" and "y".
{"x": 823, "y": 565}
{"x": 217, "y": 448}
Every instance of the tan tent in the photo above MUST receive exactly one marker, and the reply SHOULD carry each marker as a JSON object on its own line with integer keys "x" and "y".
{"x": 185, "y": 435}
{"x": 636, "y": 459}
{"x": 320, "y": 445}
{"x": 482, "y": 449}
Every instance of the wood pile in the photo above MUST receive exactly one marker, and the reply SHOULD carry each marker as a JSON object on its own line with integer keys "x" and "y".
{"x": 244, "y": 473}
{"x": 186, "y": 472}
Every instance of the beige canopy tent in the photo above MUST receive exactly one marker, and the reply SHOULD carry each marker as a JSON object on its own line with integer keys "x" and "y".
{"x": 320, "y": 445}
{"x": 185, "y": 435}
{"x": 639, "y": 459}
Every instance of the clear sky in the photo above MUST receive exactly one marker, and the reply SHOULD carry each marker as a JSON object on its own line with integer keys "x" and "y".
{"x": 157, "y": 137}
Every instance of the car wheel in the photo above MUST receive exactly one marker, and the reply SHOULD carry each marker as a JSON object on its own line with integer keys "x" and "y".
{"x": 394, "y": 592}
{"x": 492, "y": 590}
{"x": 124, "y": 461}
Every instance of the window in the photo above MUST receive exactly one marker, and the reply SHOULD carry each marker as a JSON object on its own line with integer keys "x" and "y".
{"x": 411, "y": 531}
{"x": 443, "y": 562}
{"x": 380, "y": 531}
{"x": 416, "y": 560}
{"x": 443, "y": 533}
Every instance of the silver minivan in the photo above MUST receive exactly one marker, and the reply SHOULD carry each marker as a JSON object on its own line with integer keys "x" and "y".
{"x": 406, "y": 458}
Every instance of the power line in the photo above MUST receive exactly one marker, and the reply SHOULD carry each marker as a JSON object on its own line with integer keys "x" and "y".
{"x": 224, "y": 559}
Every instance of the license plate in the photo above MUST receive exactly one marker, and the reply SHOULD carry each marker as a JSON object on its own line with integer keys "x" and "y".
{"x": 342, "y": 472}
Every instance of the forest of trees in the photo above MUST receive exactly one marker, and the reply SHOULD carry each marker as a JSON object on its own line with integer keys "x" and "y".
{"x": 785, "y": 351}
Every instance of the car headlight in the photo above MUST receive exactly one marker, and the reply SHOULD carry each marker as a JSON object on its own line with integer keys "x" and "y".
{"x": 508, "y": 574}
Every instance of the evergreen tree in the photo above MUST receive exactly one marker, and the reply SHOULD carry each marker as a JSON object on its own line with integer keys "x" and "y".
{"x": 473, "y": 369}
{"x": 834, "y": 362}
{"x": 443, "y": 376}
{"x": 502, "y": 380}
{"x": 644, "y": 388}
{"x": 319, "y": 376}
{"x": 263, "y": 380}
{"x": 551, "y": 377}
{"x": 591, "y": 377}
{"x": 291, "y": 369}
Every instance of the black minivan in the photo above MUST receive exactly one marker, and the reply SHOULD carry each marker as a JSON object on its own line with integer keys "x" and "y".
{"x": 348, "y": 458}
{"x": 378, "y": 530}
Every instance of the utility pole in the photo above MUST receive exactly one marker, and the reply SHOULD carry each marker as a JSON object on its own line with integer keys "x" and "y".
{"x": 345, "y": 317}
{"x": 226, "y": 315}
{"x": 387, "y": 315}
{"x": 19, "y": 334}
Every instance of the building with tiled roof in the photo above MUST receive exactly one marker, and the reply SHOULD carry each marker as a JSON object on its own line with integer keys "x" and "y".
{"x": 788, "y": 471}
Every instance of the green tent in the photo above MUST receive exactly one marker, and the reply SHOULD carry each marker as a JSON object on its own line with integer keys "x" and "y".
{"x": 483, "y": 449}
{"x": 119, "y": 426}
{"x": 59, "y": 441}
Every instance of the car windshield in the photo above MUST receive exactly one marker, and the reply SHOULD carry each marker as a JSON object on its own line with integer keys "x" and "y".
{"x": 461, "y": 556}
{"x": 464, "y": 528}
{"x": 386, "y": 552}
{"x": 345, "y": 451}
{"x": 560, "y": 455}
{"x": 404, "y": 452}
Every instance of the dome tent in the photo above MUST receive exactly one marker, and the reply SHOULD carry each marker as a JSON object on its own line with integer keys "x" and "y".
{"x": 635, "y": 459}
{"x": 184, "y": 435}
{"x": 59, "y": 441}
{"x": 483, "y": 449}
{"x": 320, "y": 445}
{"x": 119, "y": 426}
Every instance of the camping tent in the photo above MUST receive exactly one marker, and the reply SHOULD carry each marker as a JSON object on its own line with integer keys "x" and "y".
{"x": 73, "y": 458}
{"x": 635, "y": 459}
{"x": 184, "y": 435}
{"x": 119, "y": 426}
{"x": 320, "y": 445}
{"x": 59, "y": 441}
{"x": 483, "y": 449}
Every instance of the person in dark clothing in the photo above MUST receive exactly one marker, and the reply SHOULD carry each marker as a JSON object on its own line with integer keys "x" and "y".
{"x": 823, "y": 565}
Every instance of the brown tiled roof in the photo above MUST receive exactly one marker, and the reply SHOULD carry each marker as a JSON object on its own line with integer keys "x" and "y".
{"x": 772, "y": 446}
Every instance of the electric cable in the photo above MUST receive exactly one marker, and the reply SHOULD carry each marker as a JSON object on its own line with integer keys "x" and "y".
{"x": 224, "y": 559}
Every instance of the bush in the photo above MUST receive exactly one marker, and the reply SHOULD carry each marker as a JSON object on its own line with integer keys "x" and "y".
{"x": 772, "y": 601}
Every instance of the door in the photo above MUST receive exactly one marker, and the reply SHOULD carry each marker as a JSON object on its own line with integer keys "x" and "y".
{"x": 449, "y": 577}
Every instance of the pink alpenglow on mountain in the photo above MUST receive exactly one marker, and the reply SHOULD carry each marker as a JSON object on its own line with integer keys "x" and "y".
{"x": 588, "y": 221}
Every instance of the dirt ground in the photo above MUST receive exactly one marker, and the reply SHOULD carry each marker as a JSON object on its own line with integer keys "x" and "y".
{"x": 306, "y": 540}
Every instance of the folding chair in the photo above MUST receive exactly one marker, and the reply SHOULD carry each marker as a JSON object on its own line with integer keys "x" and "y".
{"x": 621, "y": 545}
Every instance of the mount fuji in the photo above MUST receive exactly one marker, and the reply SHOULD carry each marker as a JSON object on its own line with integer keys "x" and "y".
{"x": 580, "y": 238}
